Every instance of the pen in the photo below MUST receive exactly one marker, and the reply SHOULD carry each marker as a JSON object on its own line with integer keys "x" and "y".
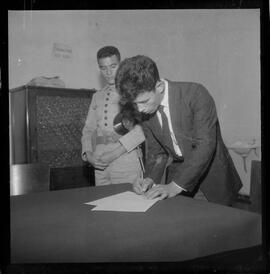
{"x": 140, "y": 159}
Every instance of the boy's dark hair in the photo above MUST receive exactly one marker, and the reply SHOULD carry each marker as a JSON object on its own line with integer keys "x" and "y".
{"x": 129, "y": 113}
{"x": 108, "y": 51}
{"x": 134, "y": 76}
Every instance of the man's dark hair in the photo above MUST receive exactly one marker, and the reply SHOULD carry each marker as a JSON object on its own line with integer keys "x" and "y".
{"x": 134, "y": 76}
{"x": 108, "y": 51}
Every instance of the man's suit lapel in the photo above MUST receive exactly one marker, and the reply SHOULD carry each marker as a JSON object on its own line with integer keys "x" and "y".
{"x": 156, "y": 127}
{"x": 174, "y": 104}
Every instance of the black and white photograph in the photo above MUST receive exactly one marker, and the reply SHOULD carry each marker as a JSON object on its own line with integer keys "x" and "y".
{"x": 135, "y": 139}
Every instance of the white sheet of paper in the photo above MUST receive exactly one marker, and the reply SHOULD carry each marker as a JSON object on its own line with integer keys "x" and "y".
{"x": 126, "y": 201}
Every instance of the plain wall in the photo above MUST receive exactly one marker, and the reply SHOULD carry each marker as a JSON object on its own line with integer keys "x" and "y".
{"x": 218, "y": 48}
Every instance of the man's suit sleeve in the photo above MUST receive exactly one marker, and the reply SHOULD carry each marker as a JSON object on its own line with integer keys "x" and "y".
{"x": 204, "y": 139}
{"x": 133, "y": 138}
{"x": 156, "y": 157}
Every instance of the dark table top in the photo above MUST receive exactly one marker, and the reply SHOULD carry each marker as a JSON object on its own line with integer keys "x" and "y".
{"x": 58, "y": 227}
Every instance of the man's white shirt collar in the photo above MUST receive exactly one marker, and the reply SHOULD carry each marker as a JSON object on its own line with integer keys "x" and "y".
{"x": 165, "y": 100}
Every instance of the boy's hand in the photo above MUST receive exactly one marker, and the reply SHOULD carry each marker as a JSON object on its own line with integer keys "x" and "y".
{"x": 95, "y": 161}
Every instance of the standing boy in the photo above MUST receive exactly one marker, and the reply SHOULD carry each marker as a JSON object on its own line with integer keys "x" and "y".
{"x": 99, "y": 137}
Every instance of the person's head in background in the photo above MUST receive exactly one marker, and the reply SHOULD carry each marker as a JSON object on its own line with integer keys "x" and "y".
{"x": 137, "y": 80}
{"x": 108, "y": 59}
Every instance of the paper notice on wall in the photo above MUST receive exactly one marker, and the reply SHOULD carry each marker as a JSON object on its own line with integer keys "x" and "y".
{"x": 62, "y": 51}
{"x": 126, "y": 201}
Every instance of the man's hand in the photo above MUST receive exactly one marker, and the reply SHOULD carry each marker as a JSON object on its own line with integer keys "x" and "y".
{"x": 140, "y": 186}
{"x": 95, "y": 161}
{"x": 163, "y": 191}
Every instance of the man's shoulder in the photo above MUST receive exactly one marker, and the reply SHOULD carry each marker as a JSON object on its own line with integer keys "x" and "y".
{"x": 188, "y": 88}
{"x": 100, "y": 92}
{"x": 103, "y": 89}
{"x": 185, "y": 84}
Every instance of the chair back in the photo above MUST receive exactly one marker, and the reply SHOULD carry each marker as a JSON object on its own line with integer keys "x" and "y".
{"x": 255, "y": 186}
{"x": 29, "y": 178}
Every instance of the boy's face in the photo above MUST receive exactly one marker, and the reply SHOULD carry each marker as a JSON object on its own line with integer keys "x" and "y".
{"x": 108, "y": 67}
{"x": 149, "y": 101}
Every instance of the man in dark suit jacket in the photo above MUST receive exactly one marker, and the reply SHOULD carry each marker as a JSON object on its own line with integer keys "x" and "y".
{"x": 182, "y": 133}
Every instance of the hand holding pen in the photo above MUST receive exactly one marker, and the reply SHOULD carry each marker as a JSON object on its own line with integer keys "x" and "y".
{"x": 141, "y": 186}
{"x": 150, "y": 190}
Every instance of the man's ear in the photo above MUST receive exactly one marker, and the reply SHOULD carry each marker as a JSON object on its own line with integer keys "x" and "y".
{"x": 160, "y": 87}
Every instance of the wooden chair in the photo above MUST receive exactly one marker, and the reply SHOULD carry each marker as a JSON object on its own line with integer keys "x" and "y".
{"x": 29, "y": 178}
{"x": 252, "y": 202}
{"x": 71, "y": 177}
{"x": 255, "y": 186}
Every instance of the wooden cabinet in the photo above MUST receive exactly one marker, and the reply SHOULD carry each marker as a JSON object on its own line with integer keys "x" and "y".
{"x": 46, "y": 127}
